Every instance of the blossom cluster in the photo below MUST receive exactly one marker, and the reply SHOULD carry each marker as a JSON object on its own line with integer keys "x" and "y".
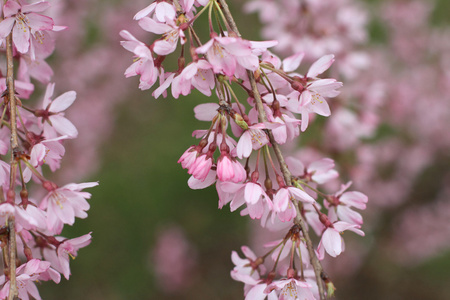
{"x": 33, "y": 219}
{"x": 239, "y": 151}
{"x": 390, "y": 120}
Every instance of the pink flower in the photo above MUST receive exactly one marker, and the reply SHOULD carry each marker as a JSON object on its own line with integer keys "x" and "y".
{"x": 53, "y": 116}
{"x": 59, "y": 257}
{"x": 188, "y": 157}
{"x": 37, "y": 68}
{"x": 320, "y": 171}
{"x": 252, "y": 139}
{"x": 246, "y": 269}
{"x": 28, "y": 218}
{"x": 144, "y": 65}
{"x": 196, "y": 74}
{"x": 228, "y": 169}
{"x": 200, "y": 168}
{"x": 226, "y": 53}
{"x": 26, "y": 275}
{"x": 341, "y": 203}
{"x": 65, "y": 203}
{"x": 332, "y": 241}
{"x": 161, "y": 10}
{"x": 250, "y": 193}
{"x": 48, "y": 151}
{"x": 282, "y": 202}
{"x": 292, "y": 289}
{"x": 24, "y": 23}
{"x": 309, "y": 98}
{"x": 23, "y": 89}
{"x": 171, "y": 33}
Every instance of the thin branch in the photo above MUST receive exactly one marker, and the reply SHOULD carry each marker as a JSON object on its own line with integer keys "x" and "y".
{"x": 13, "y": 293}
{"x": 318, "y": 269}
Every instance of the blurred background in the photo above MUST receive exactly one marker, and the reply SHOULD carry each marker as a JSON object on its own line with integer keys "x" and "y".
{"x": 154, "y": 238}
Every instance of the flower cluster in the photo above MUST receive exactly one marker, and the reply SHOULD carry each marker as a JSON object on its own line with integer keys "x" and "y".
{"x": 31, "y": 221}
{"x": 391, "y": 121}
{"x": 237, "y": 151}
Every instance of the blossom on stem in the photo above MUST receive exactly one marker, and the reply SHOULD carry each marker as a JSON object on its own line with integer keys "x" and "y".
{"x": 59, "y": 257}
{"x": 320, "y": 171}
{"x": 340, "y": 205}
{"x": 160, "y": 10}
{"x": 332, "y": 241}
{"x": 144, "y": 64}
{"x": 225, "y": 54}
{"x": 26, "y": 275}
{"x": 52, "y": 114}
{"x": 292, "y": 289}
{"x": 282, "y": 202}
{"x": 228, "y": 169}
{"x": 171, "y": 33}
{"x": 65, "y": 203}
{"x": 24, "y": 22}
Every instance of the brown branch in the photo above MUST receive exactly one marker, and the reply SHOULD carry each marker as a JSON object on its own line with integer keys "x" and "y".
{"x": 13, "y": 293}
{"x": 318, "y": 269}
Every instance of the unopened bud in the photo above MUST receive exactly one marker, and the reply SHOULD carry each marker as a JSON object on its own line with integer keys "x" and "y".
{"x": 239, "y": 120}
{"x": 24, "y": 197}
{"x": 10, "y": 196}
{"x": 255, "y": 176}
{"x": 28, "y": 253}
{"x": 291, "y": 273}
{"x": 268, "y": 184}
{"x": 49, "y": 186}
{"x": 324, "y": 220}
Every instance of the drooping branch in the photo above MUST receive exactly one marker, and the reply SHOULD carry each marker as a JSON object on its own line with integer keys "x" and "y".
{"x": 318, "y": 269}
{"x": 14, "y": 149}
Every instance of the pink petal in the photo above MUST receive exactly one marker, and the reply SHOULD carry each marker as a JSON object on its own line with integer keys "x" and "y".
{"x": 332, "y": 242}
{"x": 356, "y": 199}
{"x": 164, "y": 10}
{"x": 281, "y": 200}
{"x": 206, "y": 111}
{"x": 291, "y": 63}
{"x": 63, "y": 102}
{"x": 197, "y": 184}
{"x": 250, "y": 62}
{"x": 244, "y": 145}
{"x": 346, "y": 214}
{"x": 253, "y": 192}
{"x": 11, "y": 8}
{"x": 6, "y": 26}
{"x": 39, "y": 22}
{"x": 151, "y": 25}
{"x": 320, "y": 66}
{"x": 35, "y": 7}
{"x": 301, "y": 195}
{"x": 21, "y": 38}
{"x": 163, "y": 47}
{"x": 145, "y": 12}
{"x": 295, "y": 166}
{"x": 63, "y": 126}
{"x": 321, "y": 178}
{"x": 203, "y": 49}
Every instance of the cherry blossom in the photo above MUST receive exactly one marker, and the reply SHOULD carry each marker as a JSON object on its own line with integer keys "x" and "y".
{"x": 52, "y": 113}
{"x": 65, "y": 203}
{"x": 25, "y": 23}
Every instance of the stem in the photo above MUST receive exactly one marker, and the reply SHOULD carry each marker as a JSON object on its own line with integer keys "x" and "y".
{"x": 13, "y": 293}
{"x": 11, "y": 94}
{"x": 12, "y": 259}
{"x": 34, "y": 171}
{"x": 286, "y": 173}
